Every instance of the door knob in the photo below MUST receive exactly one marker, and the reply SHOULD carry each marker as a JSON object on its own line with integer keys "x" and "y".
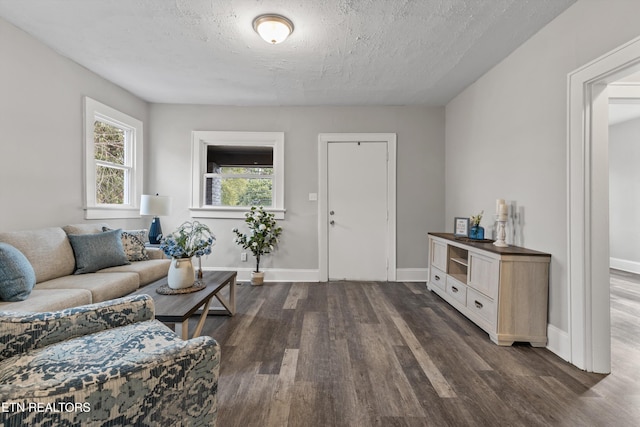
{"x": 332, "y": 213}
{"x": 332, "y": 222}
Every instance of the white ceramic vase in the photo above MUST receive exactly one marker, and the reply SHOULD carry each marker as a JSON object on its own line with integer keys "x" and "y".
{"x": 257, "y": 278}
{"x": 181, "y": 273}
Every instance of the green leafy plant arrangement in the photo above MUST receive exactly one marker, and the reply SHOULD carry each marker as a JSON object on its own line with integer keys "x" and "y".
{"x": 190, "y": 239}
{"x": 263, "y": 233}
{"x": 475, "y": 220}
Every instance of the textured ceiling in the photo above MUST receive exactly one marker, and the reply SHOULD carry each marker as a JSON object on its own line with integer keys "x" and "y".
{"x": 342, "y": 52}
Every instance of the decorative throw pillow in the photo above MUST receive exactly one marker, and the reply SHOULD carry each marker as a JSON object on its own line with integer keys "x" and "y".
{"x": 94, "y": 252}
{"x": 133, "y": 244}
{"x": 17, "y": 277}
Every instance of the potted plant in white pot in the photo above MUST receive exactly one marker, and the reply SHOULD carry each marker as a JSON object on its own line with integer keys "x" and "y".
{"x": 189, "y": 240}
{"x": 261, "y": 239}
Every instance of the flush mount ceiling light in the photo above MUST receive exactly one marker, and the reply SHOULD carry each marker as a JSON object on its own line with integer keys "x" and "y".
{"x": 272, "y": 28}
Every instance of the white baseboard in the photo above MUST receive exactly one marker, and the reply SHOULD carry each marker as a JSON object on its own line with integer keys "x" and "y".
{"x": 625, "y": 265}
{"x": 310, "y": 275}
{"x": 559, "y": 342}
{"x": 273, "y": 274}
{"x": 412, "y": 274}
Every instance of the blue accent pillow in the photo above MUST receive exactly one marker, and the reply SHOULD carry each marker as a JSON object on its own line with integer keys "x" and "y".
{"x": 17, "y": 277}
{"x": 94, "y": 252}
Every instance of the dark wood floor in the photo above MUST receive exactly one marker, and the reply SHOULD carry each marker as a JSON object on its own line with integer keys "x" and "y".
{"x": 395, "y": 354}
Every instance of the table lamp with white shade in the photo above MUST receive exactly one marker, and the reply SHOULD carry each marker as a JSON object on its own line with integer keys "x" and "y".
{"x": 156, "y": 206}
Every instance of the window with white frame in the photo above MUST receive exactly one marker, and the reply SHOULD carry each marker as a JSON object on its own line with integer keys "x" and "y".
{"x": 113, "y": 162}
{"x": 235, "y": 170}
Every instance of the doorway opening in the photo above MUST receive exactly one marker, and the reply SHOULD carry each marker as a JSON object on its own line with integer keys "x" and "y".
{"x": 588, "y": 205}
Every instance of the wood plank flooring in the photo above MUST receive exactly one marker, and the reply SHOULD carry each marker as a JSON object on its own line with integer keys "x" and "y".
{"x": 395, "y": 354}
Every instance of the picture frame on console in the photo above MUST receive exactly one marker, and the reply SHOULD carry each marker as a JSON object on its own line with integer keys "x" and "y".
{"x": 461, "y": 227}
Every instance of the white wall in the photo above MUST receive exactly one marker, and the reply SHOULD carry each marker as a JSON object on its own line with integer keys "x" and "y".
{"x": 41, "y": 132}
{"x": 624, "y": 195}
{"x": 420, "y": 183}
{"x": 506, "y": 133}
{"x": 41, "y": 179}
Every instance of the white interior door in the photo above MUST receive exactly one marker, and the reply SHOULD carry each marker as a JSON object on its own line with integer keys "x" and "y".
{"x": 357, "y": 210}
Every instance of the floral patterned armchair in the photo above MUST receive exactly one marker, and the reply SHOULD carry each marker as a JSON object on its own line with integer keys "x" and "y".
{"x": 104, "y": 364}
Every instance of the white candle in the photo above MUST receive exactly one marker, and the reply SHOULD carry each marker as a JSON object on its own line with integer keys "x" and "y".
{"x": 502, "y": 212}
{"x": 499, "y": 202}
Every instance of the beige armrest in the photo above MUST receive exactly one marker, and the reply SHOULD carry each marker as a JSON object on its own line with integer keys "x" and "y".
{"x": 155, "y": 253}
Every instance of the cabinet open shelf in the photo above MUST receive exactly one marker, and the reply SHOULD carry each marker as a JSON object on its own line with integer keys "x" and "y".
{"x": 459, "y": 277}
{"x": 461, "y": 261}
{"x": 458, "y": 263}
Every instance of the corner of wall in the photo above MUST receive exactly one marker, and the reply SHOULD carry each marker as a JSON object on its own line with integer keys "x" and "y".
{"x": 412, "y": 274}
{"x": 559, "y": 342}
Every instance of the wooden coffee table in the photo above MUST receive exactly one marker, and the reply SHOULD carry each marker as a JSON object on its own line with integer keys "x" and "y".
{"x": 179, "y": 308}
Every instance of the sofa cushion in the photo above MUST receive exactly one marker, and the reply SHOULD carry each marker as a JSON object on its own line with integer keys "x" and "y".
{"x": 47, "y": 249}
{"x": 16, "y": 274}
{"x": 84, "y": 228}
{"x": 94, "y": 252}
{"x": 49, "y": 300}
{"x": 102, "y": 286}
{"x": 133, "y": 244}
{"x": 155, "y": 253}
{"x": 149, "y": 271}
{"x": 141, "y": 233}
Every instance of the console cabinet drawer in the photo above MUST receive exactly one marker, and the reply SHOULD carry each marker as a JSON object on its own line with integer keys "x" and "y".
{"x": 457, "y": 290}
{"x": 438, "y": 278}
{"x": 482, "y": 306}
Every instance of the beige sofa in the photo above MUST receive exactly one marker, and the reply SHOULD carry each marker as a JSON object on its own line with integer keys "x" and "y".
{"x": 50, "y": 253}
